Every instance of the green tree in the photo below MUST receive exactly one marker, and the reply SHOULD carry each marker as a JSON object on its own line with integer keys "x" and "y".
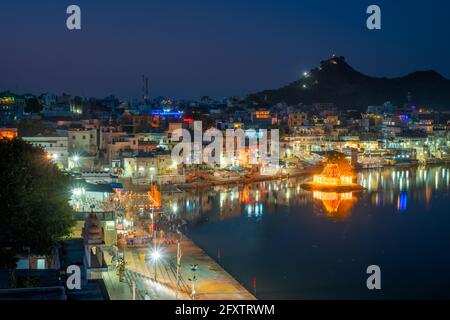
{"x": 343, "y": 166}
{"x": 34, "y": 208}
{"x": 29, "y": 128}
{"x": 33, "y": 105}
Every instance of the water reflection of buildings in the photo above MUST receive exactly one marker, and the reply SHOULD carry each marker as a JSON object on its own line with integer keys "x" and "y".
{"x": 249, "y": 200}
{"x": 337, "y": 205}
{"x": 384, "y": 187}
{"x": 399, "y": 186}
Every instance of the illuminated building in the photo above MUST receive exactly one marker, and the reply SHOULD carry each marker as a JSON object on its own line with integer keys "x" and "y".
{"x": 264, "y": 114}
{"x": 11, "y": 108}
{"x": 150, "y": 167}
{"x": 56, "y": 148}
{"x": 334, "y": 174}
{"x": 167, "y": 113}
{"x": 7, "y": 100}
{"x": 297, "y": 119}
{"x": 8, "y": 133}
{"x": 262, "y": 118}
{"x": 336, "y": 177}
{"x": 132, "y": 123}
{"x": 83, "y": 141}
{"x": 341, "y": 180}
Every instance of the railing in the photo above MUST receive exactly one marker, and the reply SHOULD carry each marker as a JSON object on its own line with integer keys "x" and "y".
{"x": 102, "y": 215}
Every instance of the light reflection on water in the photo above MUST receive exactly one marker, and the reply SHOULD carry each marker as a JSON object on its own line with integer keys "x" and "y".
{"x": 384, "y": 187}
{"x": 303, "y": 244}
{"x": 397, "y": 186}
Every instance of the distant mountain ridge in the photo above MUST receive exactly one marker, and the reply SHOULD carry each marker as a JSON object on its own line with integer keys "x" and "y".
{"x": 337, "y": 82}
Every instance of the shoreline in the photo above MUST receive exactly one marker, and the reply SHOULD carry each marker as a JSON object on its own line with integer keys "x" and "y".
{"x": 206, "y": 184}
{"x": 213, "y": 281}
{"x": 385, "y": 209}
{"x": 230, "y": 287}
{"x": 211, "y": 273}
{"x": 244, "y": 181}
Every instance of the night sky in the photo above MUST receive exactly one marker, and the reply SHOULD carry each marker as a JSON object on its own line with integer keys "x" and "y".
{"x": 190, "y": 48}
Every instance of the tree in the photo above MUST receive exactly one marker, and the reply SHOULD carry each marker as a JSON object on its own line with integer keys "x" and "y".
{"x": 29, "y": 128}
{"x": 33, "y": 105}
{"x": 337, "y": 165}
{"x": 34, "y": 194}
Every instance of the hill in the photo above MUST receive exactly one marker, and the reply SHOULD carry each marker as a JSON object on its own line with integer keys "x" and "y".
{"x": 337, "y": 82}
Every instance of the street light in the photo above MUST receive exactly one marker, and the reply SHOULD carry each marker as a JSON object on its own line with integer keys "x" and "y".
{"x": 152, "y": 216}
{"x": 75, "y": 159}
{"x": 77, "y": 192}
{"x": 174, "y": 207}
{"x": 155, "y": 256}
{"x": 179, "y": 256}
{"x": 194, "y": 268}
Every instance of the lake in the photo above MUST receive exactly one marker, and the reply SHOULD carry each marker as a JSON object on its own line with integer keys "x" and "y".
{"x": 297, "y": 244}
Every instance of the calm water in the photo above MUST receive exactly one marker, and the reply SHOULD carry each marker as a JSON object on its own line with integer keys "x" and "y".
{"x": 304, "y": 245}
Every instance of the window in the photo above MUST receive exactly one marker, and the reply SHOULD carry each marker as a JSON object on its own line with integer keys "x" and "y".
{"x": 110, "y": 225}
{"x": 23, "y": 264}
{"x": 73, "y": 137}
{"x": 84, "y": 137}
{"x": 40, "y": 264}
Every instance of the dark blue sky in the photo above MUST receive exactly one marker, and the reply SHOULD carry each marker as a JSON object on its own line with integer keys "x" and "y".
{"x": 190, "y": 48}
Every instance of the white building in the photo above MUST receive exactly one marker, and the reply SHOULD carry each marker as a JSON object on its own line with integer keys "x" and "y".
{"x": 149, "y": 167}
{"x": 83, "y": 141}
{"x": 55, "y": 146}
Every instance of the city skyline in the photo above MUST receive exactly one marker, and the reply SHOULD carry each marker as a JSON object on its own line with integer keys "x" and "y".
{"x": 205, "y": 151}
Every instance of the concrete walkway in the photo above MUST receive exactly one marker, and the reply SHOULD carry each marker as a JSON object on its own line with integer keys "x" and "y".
{"x": 213, "y": 282}
{"x": 116, "y": 290}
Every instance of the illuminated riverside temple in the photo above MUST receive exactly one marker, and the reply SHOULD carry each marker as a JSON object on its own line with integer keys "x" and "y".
{"x": 334, "y": 187}
{"x": 335, "y": 177}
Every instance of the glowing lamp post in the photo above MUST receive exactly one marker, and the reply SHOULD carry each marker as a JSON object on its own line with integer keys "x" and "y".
{"x": 75, "y": 160}
{"x": 153, "y": 222}
{"x": 193, "y": 280}
{"x": 155, "y": 256}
